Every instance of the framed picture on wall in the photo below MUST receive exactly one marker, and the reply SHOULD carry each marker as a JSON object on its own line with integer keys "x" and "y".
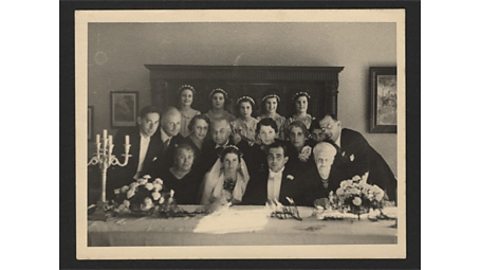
{"x": 90, "y": 122}
{"x": 124, "y": 107}
{"x": 383, "y": 100}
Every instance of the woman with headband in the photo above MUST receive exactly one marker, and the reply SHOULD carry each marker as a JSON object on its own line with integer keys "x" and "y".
{"x": 245, "y": 125}
{"x": 186, "y": 93}
{"x": 301, "y": 100}
{"x": 227, "y": 181}
{"x": 269, "y": 110}
{"x": 218, "y": 98}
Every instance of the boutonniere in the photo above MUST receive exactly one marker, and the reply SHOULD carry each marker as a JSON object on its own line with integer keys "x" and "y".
{"x": 352, "y": 157}
{"x": 154, "y": 158}
{"x": 343, "y": 153}
{"x": 290, "y": 177}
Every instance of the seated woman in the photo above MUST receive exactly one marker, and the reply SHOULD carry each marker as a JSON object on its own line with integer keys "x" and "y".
{"x": 227, "y": 180}
{"x": 180, "y": 177}
{"x": 327, "y": 173}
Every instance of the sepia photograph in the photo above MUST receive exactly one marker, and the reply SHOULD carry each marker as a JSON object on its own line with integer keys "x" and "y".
{"x": 240, "y": 134}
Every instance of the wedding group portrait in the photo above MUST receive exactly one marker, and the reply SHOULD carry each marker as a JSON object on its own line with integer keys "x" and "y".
{"x": 238, "y": 129}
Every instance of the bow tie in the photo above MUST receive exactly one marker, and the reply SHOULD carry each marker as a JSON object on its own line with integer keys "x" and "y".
{"x": 272, "y": 175}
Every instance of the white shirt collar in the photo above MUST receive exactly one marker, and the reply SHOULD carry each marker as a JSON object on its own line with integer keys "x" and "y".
{"x": 272, "y": 174}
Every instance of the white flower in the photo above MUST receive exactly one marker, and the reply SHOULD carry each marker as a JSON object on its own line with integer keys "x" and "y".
{"x": 352, "y": 157}
{"x": 172, "y": 192}
{"x": 356, "y": 178}
{"x": 147, "y": 176}
{"x": 162, "y": 200}
{"x": 158, "y": 181}
{"x": 130, "y": 193}
{"x": 305, "y": 153}
{"x": 116, "y": 191}
{"x": 156, "y": 195}
{"x": 290, "y": 177}
{"x": 157, "y": 187}
{"x": 134, "y": 185}
{"x": 147, "y": 201}
{"x": 142, "y": 181}
{"x": 149, "y": 186}
{"x": 357, "y": 201}
{"x": 126, "y": 203}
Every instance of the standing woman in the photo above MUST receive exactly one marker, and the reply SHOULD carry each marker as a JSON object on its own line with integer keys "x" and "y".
{"x": 301, "y": 100}
{"x": 186, "y": 93}
{"x": 245, "y": 125}
{"x": 269, "y": 110}
{"x": 218, "y": 98}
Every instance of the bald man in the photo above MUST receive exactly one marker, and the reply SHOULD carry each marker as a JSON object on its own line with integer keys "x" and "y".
{"x": 327, "y": 173}
{"x": 169, "y": 136}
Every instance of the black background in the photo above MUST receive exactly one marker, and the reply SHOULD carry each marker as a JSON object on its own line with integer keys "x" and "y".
{"x": 67, "y": 139}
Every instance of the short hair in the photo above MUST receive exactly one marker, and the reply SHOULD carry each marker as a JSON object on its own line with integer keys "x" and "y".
{"x": 196, "y": 118}
{"x": 326, "y": 142}
{"x": 149, "y": 109}
{"x": 180, "y": 146}
{"x": 298, "y": 124}
{"x": 279, "y": 144}
{"x": 325, "y": 114}
{"x": 269, "y": 122}
{"x": 230, "y": 149}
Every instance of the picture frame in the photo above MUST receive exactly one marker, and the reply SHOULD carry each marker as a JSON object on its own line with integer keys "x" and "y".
{"x": 383, "y": 100}
{"x": 90, "y": 122}
{"x": 124, "y": 108}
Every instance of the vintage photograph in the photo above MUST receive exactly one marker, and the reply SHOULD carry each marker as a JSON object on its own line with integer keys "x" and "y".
{"x": 243, "y": 134}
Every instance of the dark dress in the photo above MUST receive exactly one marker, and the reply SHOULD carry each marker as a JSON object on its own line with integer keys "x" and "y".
{"x": 186, "y": 189}
{"x": 165, "y": 157}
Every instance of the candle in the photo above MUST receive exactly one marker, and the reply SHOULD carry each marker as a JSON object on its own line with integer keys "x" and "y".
{"x": 104, "y": 135}
{"x": 97, "y": 140}
{"x": 110, "y": 139}
{"x": 127, "y": 139}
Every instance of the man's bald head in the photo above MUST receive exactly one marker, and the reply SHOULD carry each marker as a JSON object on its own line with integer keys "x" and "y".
{"x": 221, "y": 131}
{"x": 170, "y": 122}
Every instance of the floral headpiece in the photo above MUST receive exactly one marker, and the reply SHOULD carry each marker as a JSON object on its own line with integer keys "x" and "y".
{"x": 271, "y": 96}
{"x": 300, "y": 94}
{"x": 245, "y": 98}
{"x": 218, "y": 90}
{"x": 187, "y": 86}
{"x": 231, "y": 148}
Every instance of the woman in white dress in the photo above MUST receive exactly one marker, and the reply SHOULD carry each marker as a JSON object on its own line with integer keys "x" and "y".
{"x": 227, "y": 181}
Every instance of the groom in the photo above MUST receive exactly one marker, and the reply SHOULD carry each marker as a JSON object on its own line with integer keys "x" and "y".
{"x": 279, "y": 182}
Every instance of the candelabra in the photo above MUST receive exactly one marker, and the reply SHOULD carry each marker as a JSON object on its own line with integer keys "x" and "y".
{"x": 104, "y": 158}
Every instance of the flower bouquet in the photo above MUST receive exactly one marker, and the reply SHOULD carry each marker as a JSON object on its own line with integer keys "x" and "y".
{"x": 145, "y": 198}
{"x": 358, "y": 197}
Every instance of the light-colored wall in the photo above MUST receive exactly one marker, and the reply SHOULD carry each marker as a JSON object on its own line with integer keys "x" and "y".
{"x": 118, "y": 52}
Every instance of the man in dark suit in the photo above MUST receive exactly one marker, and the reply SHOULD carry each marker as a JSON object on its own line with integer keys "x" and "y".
{"x": 279, "y": 182}
{"x": 220, "y": 131}
{"x": 358, "y": 155}
{"x": 169, "y": 137}
{"x": 144, "y": 149}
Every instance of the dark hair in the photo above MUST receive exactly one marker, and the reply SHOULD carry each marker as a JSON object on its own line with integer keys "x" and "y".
{"x": 221, "y": 91}
{"x": 183, "y": 88}
{"x": 149, "y": 109}
{"x": 196, "y": 118}
{"x": 301, "y": 94}
{"x": 279, "y": 144}
{"x": 269, "y": 94}
{"x": 325, "y": 114}
{"x": 248, "y": 99}
{"x": 298, "y": 124}
{"x": 315, "y": 125}
{"x": 230, "y": 149}
{"x": 269, "y": 122}
{"x": 185, "y": 146}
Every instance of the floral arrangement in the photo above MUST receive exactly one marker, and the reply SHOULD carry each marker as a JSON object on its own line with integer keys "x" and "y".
{"x": 357, "y": 196}
{"x": 144, "y": 197}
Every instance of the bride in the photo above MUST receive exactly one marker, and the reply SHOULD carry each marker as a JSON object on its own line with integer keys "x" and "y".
{"x": 227, "y": 180}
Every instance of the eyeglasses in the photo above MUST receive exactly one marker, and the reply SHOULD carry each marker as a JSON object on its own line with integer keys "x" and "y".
{"x": 329, "y": 126}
